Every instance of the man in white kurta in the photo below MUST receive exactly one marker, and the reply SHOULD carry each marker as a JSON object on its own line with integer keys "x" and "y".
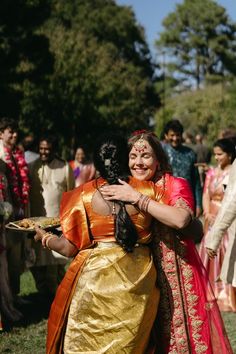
{"x": 50, "y": 177}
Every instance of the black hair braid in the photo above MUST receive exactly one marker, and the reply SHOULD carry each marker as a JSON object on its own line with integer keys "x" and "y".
{"x": 125, "y": 232}
{"x": 111, "y": 160}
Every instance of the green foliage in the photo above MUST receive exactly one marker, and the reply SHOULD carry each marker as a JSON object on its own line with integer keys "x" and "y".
{"x": 83, "y": 67}
{"x": 199, "y": 42}
{"x": 102, "y": 64}
{"x": 205, "y": 111}
{"x": 24, "y": 55}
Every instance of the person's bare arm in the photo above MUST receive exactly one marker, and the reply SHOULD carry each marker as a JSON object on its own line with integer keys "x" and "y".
{"x": 174, "y": 217}
{"x": 55, "y": 243}
{"x": 168, "y": 215}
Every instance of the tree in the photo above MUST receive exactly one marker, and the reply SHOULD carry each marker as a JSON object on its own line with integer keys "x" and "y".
{"x": 206, "y": 111}
{"x": 199, "y": 42}
{"x": 24, "y": 57}
{"x": 103, "y": 75}
{"x": 76, "y": 68}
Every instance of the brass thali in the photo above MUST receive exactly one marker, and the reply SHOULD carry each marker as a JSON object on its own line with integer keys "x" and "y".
{"x": 28, "y": 224}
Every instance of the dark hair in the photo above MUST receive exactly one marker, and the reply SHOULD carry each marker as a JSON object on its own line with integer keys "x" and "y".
{"x": 8, "y": 123}
{"x": 151, "y": 138}
{"x": 227, "y": 146}
{"x": 50, "y": 139}
{"x": 174, "y": 125}
{"x": 111, "y": 160}
{"x": 29, "y": 143}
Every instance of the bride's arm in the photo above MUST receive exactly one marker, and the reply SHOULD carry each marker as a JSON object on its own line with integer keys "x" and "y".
{"x": 55, "y": 243}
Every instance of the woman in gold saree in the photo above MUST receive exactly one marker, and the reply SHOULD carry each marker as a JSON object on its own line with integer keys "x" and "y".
{"x": 108, "y": 299}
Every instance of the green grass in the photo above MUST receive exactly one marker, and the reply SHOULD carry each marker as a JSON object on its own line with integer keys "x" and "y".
{"x": 230, "y": 325}
{"x": 30, "y": 335}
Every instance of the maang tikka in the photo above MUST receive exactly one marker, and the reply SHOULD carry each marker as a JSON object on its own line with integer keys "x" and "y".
{"x": 140, "y": 144}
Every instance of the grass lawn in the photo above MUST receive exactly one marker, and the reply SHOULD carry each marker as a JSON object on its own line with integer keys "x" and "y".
{"x": 30, "y": 335}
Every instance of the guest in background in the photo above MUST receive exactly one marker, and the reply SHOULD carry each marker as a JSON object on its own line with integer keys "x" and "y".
{"x": 224, "y": 152}
{"x": 30, "y": 148}
{"x": 182, "y": 160}
{"x": 50, "y": 176}
{"x": 203, "y": 157}
{"x": 8, "y": 313}
{"x": 83, "y": 170}
{"x": 226, "y": 220}
{"x": 18, "y": 177}
{"x": 188, "y": 140}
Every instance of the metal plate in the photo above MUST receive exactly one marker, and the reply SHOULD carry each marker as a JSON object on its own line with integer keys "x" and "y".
{"x": 44, "y": 222}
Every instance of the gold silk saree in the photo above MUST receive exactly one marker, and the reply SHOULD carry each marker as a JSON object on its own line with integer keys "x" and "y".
{"x": 108, "y": 300}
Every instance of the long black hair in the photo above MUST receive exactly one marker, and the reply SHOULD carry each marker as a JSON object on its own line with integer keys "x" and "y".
{"x": 111, "y": 160}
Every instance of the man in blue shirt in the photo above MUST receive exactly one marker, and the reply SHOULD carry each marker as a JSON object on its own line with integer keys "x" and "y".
{"x": 182, "y": 159}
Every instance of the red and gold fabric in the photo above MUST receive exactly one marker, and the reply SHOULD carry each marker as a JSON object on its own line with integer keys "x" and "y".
{"x": 188, "y": 319}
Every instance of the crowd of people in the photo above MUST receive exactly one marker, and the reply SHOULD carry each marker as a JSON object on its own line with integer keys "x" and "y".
{"x": 142, "y": 276}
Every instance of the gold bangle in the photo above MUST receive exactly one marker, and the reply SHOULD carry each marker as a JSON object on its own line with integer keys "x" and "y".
{"x": 145, "y": 207}
{"x": 44, "y": 238}
{"x": 144, "y": 203}
{"x": 140, "y": 201}
{"x": 48, "y": 239}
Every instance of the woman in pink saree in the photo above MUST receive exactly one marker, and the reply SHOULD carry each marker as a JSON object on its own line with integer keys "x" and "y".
{"x": 213, "y": 193}
{"x": 188, "y": 319}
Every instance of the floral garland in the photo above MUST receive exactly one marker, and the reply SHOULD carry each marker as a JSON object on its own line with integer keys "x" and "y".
{"x": 18, "y": 175}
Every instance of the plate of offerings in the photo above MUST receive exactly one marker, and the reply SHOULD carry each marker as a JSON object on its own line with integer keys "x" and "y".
{"x": 28, "y": 224}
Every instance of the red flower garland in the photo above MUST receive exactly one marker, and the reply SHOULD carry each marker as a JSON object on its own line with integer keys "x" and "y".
{"x": 18, "y": 175}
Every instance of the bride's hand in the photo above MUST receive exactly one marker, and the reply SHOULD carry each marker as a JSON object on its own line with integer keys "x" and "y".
{"x": 39, "y": 233}
{"x": 122, "y": 191}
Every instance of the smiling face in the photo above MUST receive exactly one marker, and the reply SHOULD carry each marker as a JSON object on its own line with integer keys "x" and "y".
{"x": 46, "y": 151}
{"x": 142, "y": 161}
{"x": 7, "y": 137}
{"x": 80, "y": 155}
{"x": 223, "y": 158}
{"x": 174, "y": 138}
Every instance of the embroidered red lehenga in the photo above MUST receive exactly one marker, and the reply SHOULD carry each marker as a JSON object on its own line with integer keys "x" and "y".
{"x": 108, "y": 299}
{"x": 188, "y": 319}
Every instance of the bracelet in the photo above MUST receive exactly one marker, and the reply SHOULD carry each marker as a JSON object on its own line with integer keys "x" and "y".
{"x": 140, "y": 201}
{"x": 137, "y": 200}
{"x": 45, "y": 237}
{"x": 48, "y": 239}
{"x": 147, "y": 201}
{"x": 144, "y": 202}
